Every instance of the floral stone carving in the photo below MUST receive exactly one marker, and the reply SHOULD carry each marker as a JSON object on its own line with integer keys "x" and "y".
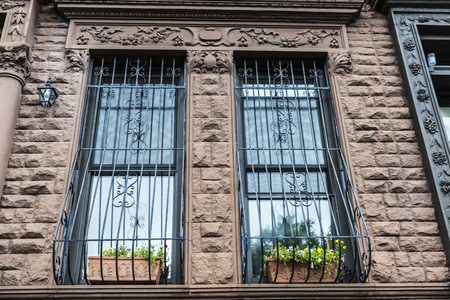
{"x": 340, "y": 63}
{"x": 78, "y": 60}
{"x": 209, "y": 61}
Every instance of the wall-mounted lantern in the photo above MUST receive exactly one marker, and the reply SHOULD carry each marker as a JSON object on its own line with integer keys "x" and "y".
{"x": 431, "y": 58}
{"x": 47, "y": 93}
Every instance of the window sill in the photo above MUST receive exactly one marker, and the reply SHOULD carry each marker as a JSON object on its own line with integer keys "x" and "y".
{"x": 266, "y": 291}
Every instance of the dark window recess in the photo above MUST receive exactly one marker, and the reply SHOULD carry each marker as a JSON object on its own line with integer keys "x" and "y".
{"x": 436, "y": 41}
{"x": 126, "y": 184}
{"x": 2, "y": 23}
{"x": 295, "y": 189}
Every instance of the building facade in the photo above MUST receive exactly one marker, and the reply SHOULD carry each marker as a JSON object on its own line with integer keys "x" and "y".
{"x": 220, "y": 133}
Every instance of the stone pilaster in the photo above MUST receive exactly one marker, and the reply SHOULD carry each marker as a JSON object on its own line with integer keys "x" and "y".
{"x": 15, "y": 66}
{"x": 210, "y": 170}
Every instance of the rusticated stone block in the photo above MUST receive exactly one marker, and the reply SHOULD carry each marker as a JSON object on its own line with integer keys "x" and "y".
{"x": 212, "y": 229}
{"x": 8, "y": 201}
{"x": 401, "y": 259}
{"x": 4, "y": 246}
{"x": 412, "y": 274}
{"x": 376, "y": 186}
{"x": 15, "y": 278}
{"x": 211, "y": 208}
{"x": 12, "y": 261}
{"x": 366, "y": 124}
{"x": 408, "y": 148}
{"x": 375, "y": 173}
{"x": 390, "y": 200}
{"x": 25, "y": 246}
{"x": 373, "y": 207}
{"x": 11, "y": 231}
{"x": 416, "y": 186}
{"x": 220, "y": 155}
{"x": 396, "y": 186}
{"x": 434, "y": 259}
{"x": 421, "y": 200}
{"x": 386, "y": 244}
{"x": 385, "y": 228}
{"x": 424, "y": 214}
{"x": 411, "y": 161}
{"x": 38, "y": 268}
{"x": 212, "y": 268}
{"x": 407, "y": 228}
{"x": 430, "y": 244}
{"x": 387, "y": 160}
{"x": 201, "y": 154}
{"x": 7, "y": 215}
{"x": 414, "y": 173}
{"x": 32, "y": 231}
{"x": 395, "y": 174}
{"x": 415, "y": 259}
{"x": 409, "y": 244}
{"x": 437, "y": 274}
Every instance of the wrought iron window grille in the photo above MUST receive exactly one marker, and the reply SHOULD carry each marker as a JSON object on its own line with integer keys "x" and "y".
{"x": 126, "y": 183}
{"x": 295, "y": 190}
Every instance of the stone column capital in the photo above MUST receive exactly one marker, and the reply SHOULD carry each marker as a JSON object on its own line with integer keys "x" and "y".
{"x": 214, "y": 61}
{"x": 15, "y": 61}
{"x": 340, "y": 63}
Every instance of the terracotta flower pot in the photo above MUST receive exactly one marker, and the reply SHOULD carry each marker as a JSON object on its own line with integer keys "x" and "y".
{"x": 125, "y": 270}
{"x": 300, "y": 272}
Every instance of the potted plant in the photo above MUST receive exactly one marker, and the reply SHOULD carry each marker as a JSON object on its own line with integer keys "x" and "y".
{"x": 126, "y": 259}
{"x": 315, "y": 261}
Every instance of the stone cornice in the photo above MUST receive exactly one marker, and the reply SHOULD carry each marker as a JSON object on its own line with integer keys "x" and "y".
{"x": 340, "y": 11}
{"x": 385, "y": 5}
{"x": 15, "y": 61}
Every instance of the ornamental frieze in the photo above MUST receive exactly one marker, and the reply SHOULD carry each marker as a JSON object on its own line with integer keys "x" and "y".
{"x": 154, "y": 36}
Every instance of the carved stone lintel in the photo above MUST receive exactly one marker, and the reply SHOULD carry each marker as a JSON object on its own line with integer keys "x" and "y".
{"x": 340, "y": 63}
{"x": 78, "y": 60}
{"x": 209, "y": 61}
{"x": 16, "y": 61}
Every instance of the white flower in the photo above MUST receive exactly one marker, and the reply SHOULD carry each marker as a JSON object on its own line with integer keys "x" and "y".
{"x": 291, "y": 248}
{"x": 320, "y": 260}
{"x": 312, "y": 266}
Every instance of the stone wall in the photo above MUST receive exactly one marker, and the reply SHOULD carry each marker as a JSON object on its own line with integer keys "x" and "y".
{"x": 38, "y": 167}
{"x": 210, "y": 173}
{"x": 389, "y": 174}
{"x": 390, "y": 178}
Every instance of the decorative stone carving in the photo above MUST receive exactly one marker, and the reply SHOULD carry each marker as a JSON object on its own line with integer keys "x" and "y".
{"x": 209, "y": 61}
{"x": 415, "y": 68}
{"x": 8, "y": 4}
{"x": 78, "y": 60}
{"x": 340, "y": 63}
{"x": 16, "y": 61}
{"x": 19, "y": 16}
{"x": 316, "y": 37}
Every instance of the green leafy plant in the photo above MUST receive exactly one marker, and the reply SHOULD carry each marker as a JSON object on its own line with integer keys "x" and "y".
{"x": 317, "y": 256}
{"x": 143, "y": 251}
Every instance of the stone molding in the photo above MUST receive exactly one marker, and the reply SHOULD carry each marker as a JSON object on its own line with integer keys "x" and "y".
{"x": 78, "y": 60}
{"x": 424, "y": 106}
{"x": 209, "y": 61}
{"x": 340, "y": 11}
{"x": 339, "y": 63}
{"x": 85, "y": 34}
{"x": 233, "y": 291}
{"x": 15, "y": 61}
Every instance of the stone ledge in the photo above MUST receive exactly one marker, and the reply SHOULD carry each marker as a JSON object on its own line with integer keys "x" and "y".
{"x": 266, "y": 291}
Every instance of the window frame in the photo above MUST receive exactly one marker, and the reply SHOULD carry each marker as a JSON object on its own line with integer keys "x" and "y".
{"x": 67, "y": 234}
